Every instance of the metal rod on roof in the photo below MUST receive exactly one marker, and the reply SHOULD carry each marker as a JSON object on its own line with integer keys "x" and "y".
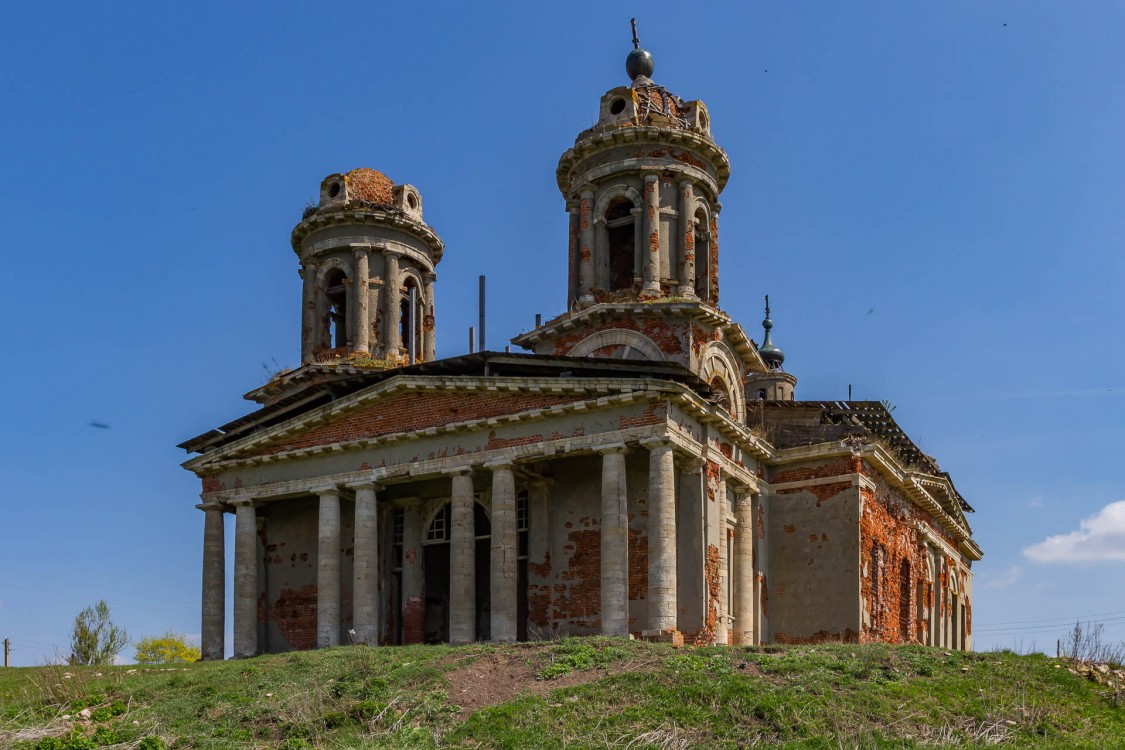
{"x": 472, "y": 340}
{"x": 849, "y": 391}
{"x": 538, "y": 320}
{"x": 412, "y": 321}
{"x": 481, "y": 331}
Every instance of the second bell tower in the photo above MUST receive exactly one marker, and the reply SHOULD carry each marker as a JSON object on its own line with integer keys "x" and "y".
{"x": 642, "y": 192}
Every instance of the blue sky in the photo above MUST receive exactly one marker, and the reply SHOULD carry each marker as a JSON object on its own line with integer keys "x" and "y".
{"x": 931, "y": 194}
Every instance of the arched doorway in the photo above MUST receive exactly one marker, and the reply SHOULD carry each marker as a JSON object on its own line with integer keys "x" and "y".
{"x": 435, "y": 566}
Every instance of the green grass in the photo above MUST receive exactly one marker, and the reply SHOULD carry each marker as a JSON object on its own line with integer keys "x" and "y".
{"x": 589, "y": 693}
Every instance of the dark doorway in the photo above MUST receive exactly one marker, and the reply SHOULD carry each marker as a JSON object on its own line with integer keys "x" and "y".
{"x": 436, "y": 570}
{"x": 436, "y": 563}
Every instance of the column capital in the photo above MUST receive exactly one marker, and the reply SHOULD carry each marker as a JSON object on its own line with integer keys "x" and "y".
{"x": 361, "y": 250}
{"x": 657, "y": 441}
{"x": 391, "y": 252}
{"x": 651, "y": 176}
{"x": 586, "y": 191}
{"x": 244, "y": 502}
{"x": 686, "y": 184}
{"x": 501, "y": 463}
{"x": 611, "y": 448}
{"x": 214, "y": 505}
{"x": 429, "y": 277}
{"x": 325, "y": 489}
{"x": 691, "y": 464}
{"x": 364, "y": 484}
{"x": 458, "y": 471}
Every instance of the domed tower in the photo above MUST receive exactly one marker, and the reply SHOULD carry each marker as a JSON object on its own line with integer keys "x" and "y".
{"x": 776, "y": 384}
{"x": 642, "y": 189}
{"x": 367, "y": 260}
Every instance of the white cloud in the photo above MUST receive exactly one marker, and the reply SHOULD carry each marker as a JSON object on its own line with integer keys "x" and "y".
{"x": 1036, "y": 502}
{"x": 1099, "y": 537}
{"x": 1002, "y": 580}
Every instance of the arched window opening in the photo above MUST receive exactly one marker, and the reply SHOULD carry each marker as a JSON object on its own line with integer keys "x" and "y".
{"x": 619, "y": 222}
{"x": 761, "y": 394}
{"x": 904, "y": 591}
{"x": 337, "y": 297}
{"x": 720, "y": 394}
{"x": 702, "y": 241}
{"x": 412, "y": 344}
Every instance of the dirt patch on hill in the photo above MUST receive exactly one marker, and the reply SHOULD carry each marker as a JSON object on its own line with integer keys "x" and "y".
{"x": 485, "y": 679}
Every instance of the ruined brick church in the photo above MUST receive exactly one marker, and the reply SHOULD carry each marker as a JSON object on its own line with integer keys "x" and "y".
{"x": 643, "y": 469}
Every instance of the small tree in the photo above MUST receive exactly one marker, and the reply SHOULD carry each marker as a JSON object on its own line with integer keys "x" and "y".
{"x": 166, "y": 649}
{"x": 96, "y": 641}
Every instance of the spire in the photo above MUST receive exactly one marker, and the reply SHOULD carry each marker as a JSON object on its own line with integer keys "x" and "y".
{"x": 639, "y": 63}
{"x": 771, "y": 355}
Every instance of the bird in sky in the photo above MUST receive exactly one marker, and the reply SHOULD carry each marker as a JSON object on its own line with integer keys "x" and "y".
{"x": 99, "y": 425}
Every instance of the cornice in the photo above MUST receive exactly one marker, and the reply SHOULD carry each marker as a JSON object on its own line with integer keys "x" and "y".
{"x": 351, "y": 213}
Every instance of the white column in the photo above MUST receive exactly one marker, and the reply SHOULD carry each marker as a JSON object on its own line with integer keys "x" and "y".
{"x": 245, "y": 580}
{"x": 722, "y": 621}
{"x": 362, "y": 322}
{"x": 661, "y": 536}
{"x": 429, "y": 322}
{"x": 614, "y": 543}
{"x": 310, "y": 321}
{"x": 365, "y": 565}
{"x": 328, "y": 570}
{"x": 687, "y": 240}
{"x": 742, "y": 569}
{"x": 586, "y": 246}
{"x": 462, "y": 561}
{"x": 392, "y": 306}
{"x": 505, "y": 551}
{"x": 212, "y": 639}
{"x": 651, "y": 247}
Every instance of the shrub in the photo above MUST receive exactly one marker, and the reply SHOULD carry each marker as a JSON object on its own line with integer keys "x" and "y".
{"x": 169, "y": 648}
{"x": 96, "y": 641}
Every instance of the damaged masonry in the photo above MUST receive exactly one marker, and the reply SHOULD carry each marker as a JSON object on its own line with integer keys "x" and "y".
{"x": 643, "y": 470}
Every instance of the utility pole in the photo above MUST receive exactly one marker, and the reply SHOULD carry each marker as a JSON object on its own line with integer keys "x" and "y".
{"x": 7, "y": 650}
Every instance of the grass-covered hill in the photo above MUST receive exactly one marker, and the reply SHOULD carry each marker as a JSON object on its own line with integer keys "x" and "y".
{"x": 575, "y": 693}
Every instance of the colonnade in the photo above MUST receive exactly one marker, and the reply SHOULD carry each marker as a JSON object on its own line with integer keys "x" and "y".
{"x": 361, "y": 312}
{"x": 662, "y": 572}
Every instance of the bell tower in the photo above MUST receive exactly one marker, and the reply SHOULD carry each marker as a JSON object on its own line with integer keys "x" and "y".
{"x": 642, "y": 192}
{"x": 367, "y": 261}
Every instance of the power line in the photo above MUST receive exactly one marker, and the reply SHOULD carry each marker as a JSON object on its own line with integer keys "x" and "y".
{"x": 115, "y": 602}
{"x": 1063, "y": 623}
{"x": 1054, "y": 619}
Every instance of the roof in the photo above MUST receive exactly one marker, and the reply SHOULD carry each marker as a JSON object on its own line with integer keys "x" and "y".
{"x": 314, "y": 385}
{"x": 843, "y": 418}
{"x": 370, "y": 185}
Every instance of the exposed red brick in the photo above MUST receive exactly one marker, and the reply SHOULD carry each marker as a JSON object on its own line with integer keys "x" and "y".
{"x": 294, "y": 613}
{"x": 414, "y": 411}
{"x": 414, "y": 620}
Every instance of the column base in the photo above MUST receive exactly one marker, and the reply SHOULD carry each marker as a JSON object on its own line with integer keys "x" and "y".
{"x": 668, "y": 635}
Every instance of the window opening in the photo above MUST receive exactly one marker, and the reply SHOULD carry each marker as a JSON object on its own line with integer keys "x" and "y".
{"x": 398, "y": 523}
{"x": 876, "y": 594}
{"x": 904, "y": 601}
{"x": 439, "y": 526}
{"x": 337, "y": 295}
{"x": 619, "y": 222}
{"x": 522, "y": 522}
{"x": 702, "y": 241}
